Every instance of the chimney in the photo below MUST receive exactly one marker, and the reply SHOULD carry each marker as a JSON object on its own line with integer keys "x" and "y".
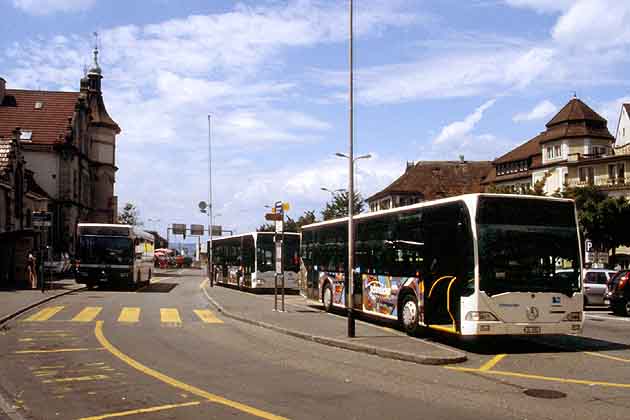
{"x": 410, "y": 164}
{"x": 461, "y": 159}
{"x": 3, "y": 88}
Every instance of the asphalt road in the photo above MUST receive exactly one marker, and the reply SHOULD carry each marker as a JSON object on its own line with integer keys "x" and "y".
{"x": 147, "y": 354}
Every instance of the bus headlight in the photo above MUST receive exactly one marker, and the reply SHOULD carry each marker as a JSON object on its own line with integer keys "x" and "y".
{"x": 573, "y": 317}
{"x": 480, "y": 316}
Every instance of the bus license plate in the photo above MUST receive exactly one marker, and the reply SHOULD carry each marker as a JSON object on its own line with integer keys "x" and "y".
{"x": 532, "y": 330}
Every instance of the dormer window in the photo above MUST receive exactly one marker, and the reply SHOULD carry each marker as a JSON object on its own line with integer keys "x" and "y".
{"x": 26, "y": 135}
{"x": 39, "y": 105}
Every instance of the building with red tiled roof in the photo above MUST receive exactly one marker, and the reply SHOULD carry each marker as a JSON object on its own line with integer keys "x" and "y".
{"x": 20, "y": 196}
{"x": 430, "y": 180}
{"x": 68, "y": 141}
{"x": 575, "y": 149}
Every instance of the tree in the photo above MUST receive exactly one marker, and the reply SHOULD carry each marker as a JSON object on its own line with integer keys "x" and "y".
{"x": 604, "y": 220}
{"x": 338, "y": 205}
{"x": 130, "y": 215}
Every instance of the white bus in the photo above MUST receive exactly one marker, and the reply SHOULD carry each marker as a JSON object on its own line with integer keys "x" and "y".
{"x": 478, "y": 264}
{"x": 247, "y": 261}
{"x": 120, "y": 255}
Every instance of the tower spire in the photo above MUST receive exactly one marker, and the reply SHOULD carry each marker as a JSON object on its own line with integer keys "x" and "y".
{"x": 95, "y": 67}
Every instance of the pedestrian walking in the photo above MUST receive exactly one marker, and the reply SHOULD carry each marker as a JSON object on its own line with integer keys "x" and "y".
{"x": 31, "y": 269}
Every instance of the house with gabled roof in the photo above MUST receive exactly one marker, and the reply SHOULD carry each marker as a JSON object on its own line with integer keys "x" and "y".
{"x": 622, "y": 136}
{"x": 576, "y": 149}
{"x": 430, "y": 180}
{"x": 20, "y": 196}
{"x": 69, "y": 143}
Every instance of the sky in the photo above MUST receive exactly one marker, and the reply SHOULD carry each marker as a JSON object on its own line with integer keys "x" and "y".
{"x": 434, "y": 80}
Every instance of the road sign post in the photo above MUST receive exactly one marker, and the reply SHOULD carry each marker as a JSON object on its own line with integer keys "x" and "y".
{"x": 277, "y": 216}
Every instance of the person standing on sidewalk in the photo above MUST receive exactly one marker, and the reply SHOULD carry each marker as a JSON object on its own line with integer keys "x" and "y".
{"x": 31, "y": 269}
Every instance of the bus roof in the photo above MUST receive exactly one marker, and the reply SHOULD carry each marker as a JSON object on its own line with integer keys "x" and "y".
{"x": 469, "y": 198}
{"x": 110, "y": 229}
{"x": 240, "y": 235}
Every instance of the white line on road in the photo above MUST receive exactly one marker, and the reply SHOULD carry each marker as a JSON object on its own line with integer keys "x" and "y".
{"x": 612, "y": 318}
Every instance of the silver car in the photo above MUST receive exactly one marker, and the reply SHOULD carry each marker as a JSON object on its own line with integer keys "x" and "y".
{"x": 595, "y": 280}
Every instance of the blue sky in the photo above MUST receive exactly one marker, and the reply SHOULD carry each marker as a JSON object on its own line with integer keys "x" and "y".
{"x": 435, "y": 79}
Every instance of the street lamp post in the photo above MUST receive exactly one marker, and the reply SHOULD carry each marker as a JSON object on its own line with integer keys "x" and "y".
{"x": 210, "y": 206}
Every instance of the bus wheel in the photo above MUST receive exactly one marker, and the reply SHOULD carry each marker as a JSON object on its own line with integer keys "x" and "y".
{"x": 408, "y": 315}
{"x": 327, "y": 297}
{"x": 90, "y": 285}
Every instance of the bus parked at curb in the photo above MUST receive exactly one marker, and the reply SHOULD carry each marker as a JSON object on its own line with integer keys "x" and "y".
{"x": 477, "y": 264}
{"x": 117, "y": 255}
{"x": 247, "y": 261}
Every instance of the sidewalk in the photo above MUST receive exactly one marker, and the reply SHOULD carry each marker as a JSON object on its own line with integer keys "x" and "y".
{"x": 306, "y": 319}
{"x": 13, "y": 302}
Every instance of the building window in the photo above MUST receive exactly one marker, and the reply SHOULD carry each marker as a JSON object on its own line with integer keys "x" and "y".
{"x": 587, "y": 175}
{"x": 557, "y": 151}
{"x": 386, "y": 204}
{"x": 621, "y": 173}
{"x": 549, "y": 153}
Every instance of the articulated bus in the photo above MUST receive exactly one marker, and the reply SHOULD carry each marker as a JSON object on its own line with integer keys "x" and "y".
{"x": 247, "y": 261}
{"x": 120, "y": 255}
{"x": 478, "y": 264}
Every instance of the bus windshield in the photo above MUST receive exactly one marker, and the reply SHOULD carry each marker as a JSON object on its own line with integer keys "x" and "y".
{"x": 527, "y": 245}
{"x": 105, "y": 250}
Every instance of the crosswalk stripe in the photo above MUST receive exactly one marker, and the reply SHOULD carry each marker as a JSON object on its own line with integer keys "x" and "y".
{"x": 45, "y": 314}
{"x": 129, "y": 315}
{"x": 88, "y": 314}
{"x": 207, "y": 316}
{"x": 170, "y": 315}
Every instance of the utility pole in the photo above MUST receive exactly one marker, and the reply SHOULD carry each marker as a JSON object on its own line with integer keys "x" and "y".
{"x": 211, "y": 206}
{"x": 350, "y": 298}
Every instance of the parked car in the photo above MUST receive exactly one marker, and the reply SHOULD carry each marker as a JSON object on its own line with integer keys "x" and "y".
{"x": 618, "y": 293}
{"x": 595, "y": 280}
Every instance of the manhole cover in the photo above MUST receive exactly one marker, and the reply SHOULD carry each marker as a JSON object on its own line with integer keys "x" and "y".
{"x": 544, "y": 393}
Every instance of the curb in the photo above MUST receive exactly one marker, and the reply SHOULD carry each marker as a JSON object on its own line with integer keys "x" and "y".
{"x": 6, "y": 318}
{"x": 343, "y": 344}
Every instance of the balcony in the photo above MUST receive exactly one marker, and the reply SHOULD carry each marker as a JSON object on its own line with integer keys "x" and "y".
{"x": 602, "y": 181}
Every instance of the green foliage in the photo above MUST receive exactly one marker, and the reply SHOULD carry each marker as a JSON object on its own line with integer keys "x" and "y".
{"x": 338, "y": 205}
{"x": 603, "y": 219}
{"x": 130, "y": 215}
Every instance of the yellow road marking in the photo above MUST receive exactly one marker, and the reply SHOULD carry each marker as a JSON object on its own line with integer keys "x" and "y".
{"x": 98, "y": 331}
{"x": 55, "y": 351}
{"x": 492, "y": 362}
{"x": 88, "y": 314}
{"x": 170, "y": 315}
{"x": 141, "y": 410}
{"x": 95, "y": 364}
{"x": 45, "y": 314}
{"x": 541, "y": 378}
{"x": 129, "y": 315}
{"x": 77, "y": 379}
{"x": 203, "y": 283}
{"x": 207, "y": 316}
{"x": 49, "y": 367}
{"x": 606, "y": 356}
{"x": 26, "y": 340}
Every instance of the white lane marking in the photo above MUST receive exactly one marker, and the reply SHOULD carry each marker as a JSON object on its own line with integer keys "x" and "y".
{"x": 612, "y": 318}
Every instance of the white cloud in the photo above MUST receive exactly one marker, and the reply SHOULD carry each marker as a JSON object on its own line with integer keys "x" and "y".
{"x": 450, "y": 74}
{"x": 46, "y": 7}
{"x": 542, "y": 6}
{"x": 542, "y": 110}
{"x": 594, "y": 24}
{"x": 458, "y": 129}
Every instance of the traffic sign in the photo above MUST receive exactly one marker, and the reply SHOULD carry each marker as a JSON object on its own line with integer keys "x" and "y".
{"x": 179, "y": 229}
{"x": 273, "y": 216}
{"x": 41, "y": 219}
{"x": 196, "y": 230}
{"x": 217, "y": 230}
{"x": 203, "y": 206}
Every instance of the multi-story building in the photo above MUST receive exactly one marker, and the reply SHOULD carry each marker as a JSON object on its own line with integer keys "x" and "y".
{"x": 576, "y": 149}
{"x": 69, "y": 143}
{"x": 20, "y": 196}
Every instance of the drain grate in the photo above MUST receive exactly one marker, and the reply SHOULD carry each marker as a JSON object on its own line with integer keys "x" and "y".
{"x": 544, "y": 393}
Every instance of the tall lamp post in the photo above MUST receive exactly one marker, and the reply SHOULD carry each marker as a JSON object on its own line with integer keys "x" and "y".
{"x": 210, "y": 205}
{"x": 350, "y": 298}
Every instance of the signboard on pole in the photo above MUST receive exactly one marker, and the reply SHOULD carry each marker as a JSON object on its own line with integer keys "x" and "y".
{"x": 196, "y": 230}
{"x": 42, "y": 219}
{"x": 273, "y": 216}
{"x": 179, "y": 228}
{"x": 217, "y": 230}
